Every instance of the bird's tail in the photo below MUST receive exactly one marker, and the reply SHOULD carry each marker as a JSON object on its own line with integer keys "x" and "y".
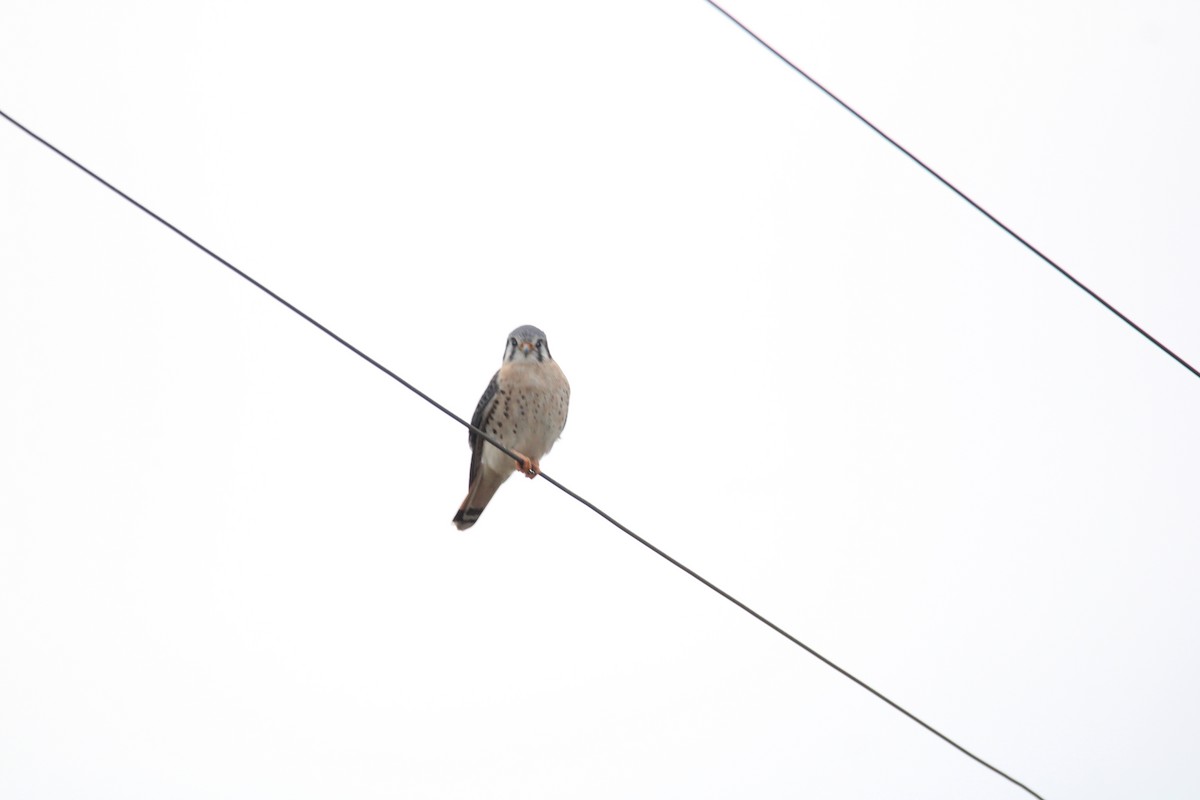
{"x": 477, "y": 498}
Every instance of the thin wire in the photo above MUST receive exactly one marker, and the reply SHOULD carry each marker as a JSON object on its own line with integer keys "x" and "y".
{"x": 796, "y": 641}
{"x": 221, "y": 260}
{"x": 958, "y": 191}
{"x": 512, "y": 455}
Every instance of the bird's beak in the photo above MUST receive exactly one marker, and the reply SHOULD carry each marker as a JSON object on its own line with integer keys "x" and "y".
{"x": 526, "y": 346}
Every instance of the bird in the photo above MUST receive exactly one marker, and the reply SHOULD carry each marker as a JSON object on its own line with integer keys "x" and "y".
{"x": 524, "y": 407}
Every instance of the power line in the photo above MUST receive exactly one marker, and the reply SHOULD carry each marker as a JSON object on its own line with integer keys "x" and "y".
{"x": 509, "y": 453}
{"x": 957, "y": 191}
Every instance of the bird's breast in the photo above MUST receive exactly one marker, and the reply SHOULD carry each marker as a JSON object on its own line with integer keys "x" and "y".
{"x": 532, "y": 412}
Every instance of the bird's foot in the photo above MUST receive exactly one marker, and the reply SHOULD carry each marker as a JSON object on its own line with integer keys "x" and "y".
{"x": 527, "y": 466}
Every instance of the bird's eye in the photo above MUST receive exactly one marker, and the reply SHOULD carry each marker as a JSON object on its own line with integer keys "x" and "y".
{"x": 513, "y": 341}
{"x": 539, "y": 344}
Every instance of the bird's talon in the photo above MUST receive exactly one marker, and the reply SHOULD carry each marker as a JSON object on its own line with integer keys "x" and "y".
{"x": 527, "y": 466}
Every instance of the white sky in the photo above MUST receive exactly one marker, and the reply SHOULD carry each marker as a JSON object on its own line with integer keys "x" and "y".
{"x": 799, "y": 364}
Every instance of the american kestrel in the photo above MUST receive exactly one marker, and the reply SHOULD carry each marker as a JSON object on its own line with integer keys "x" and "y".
{"x": 525, "y": 409}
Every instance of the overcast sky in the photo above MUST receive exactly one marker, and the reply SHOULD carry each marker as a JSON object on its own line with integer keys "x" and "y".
{"x": 799, "y": 365}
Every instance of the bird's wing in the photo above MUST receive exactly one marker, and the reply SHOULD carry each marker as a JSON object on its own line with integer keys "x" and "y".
{"x": 480, "y": 420}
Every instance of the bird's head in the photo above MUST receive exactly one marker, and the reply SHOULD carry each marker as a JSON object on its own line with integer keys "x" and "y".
{"x": 527, "y": 343}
